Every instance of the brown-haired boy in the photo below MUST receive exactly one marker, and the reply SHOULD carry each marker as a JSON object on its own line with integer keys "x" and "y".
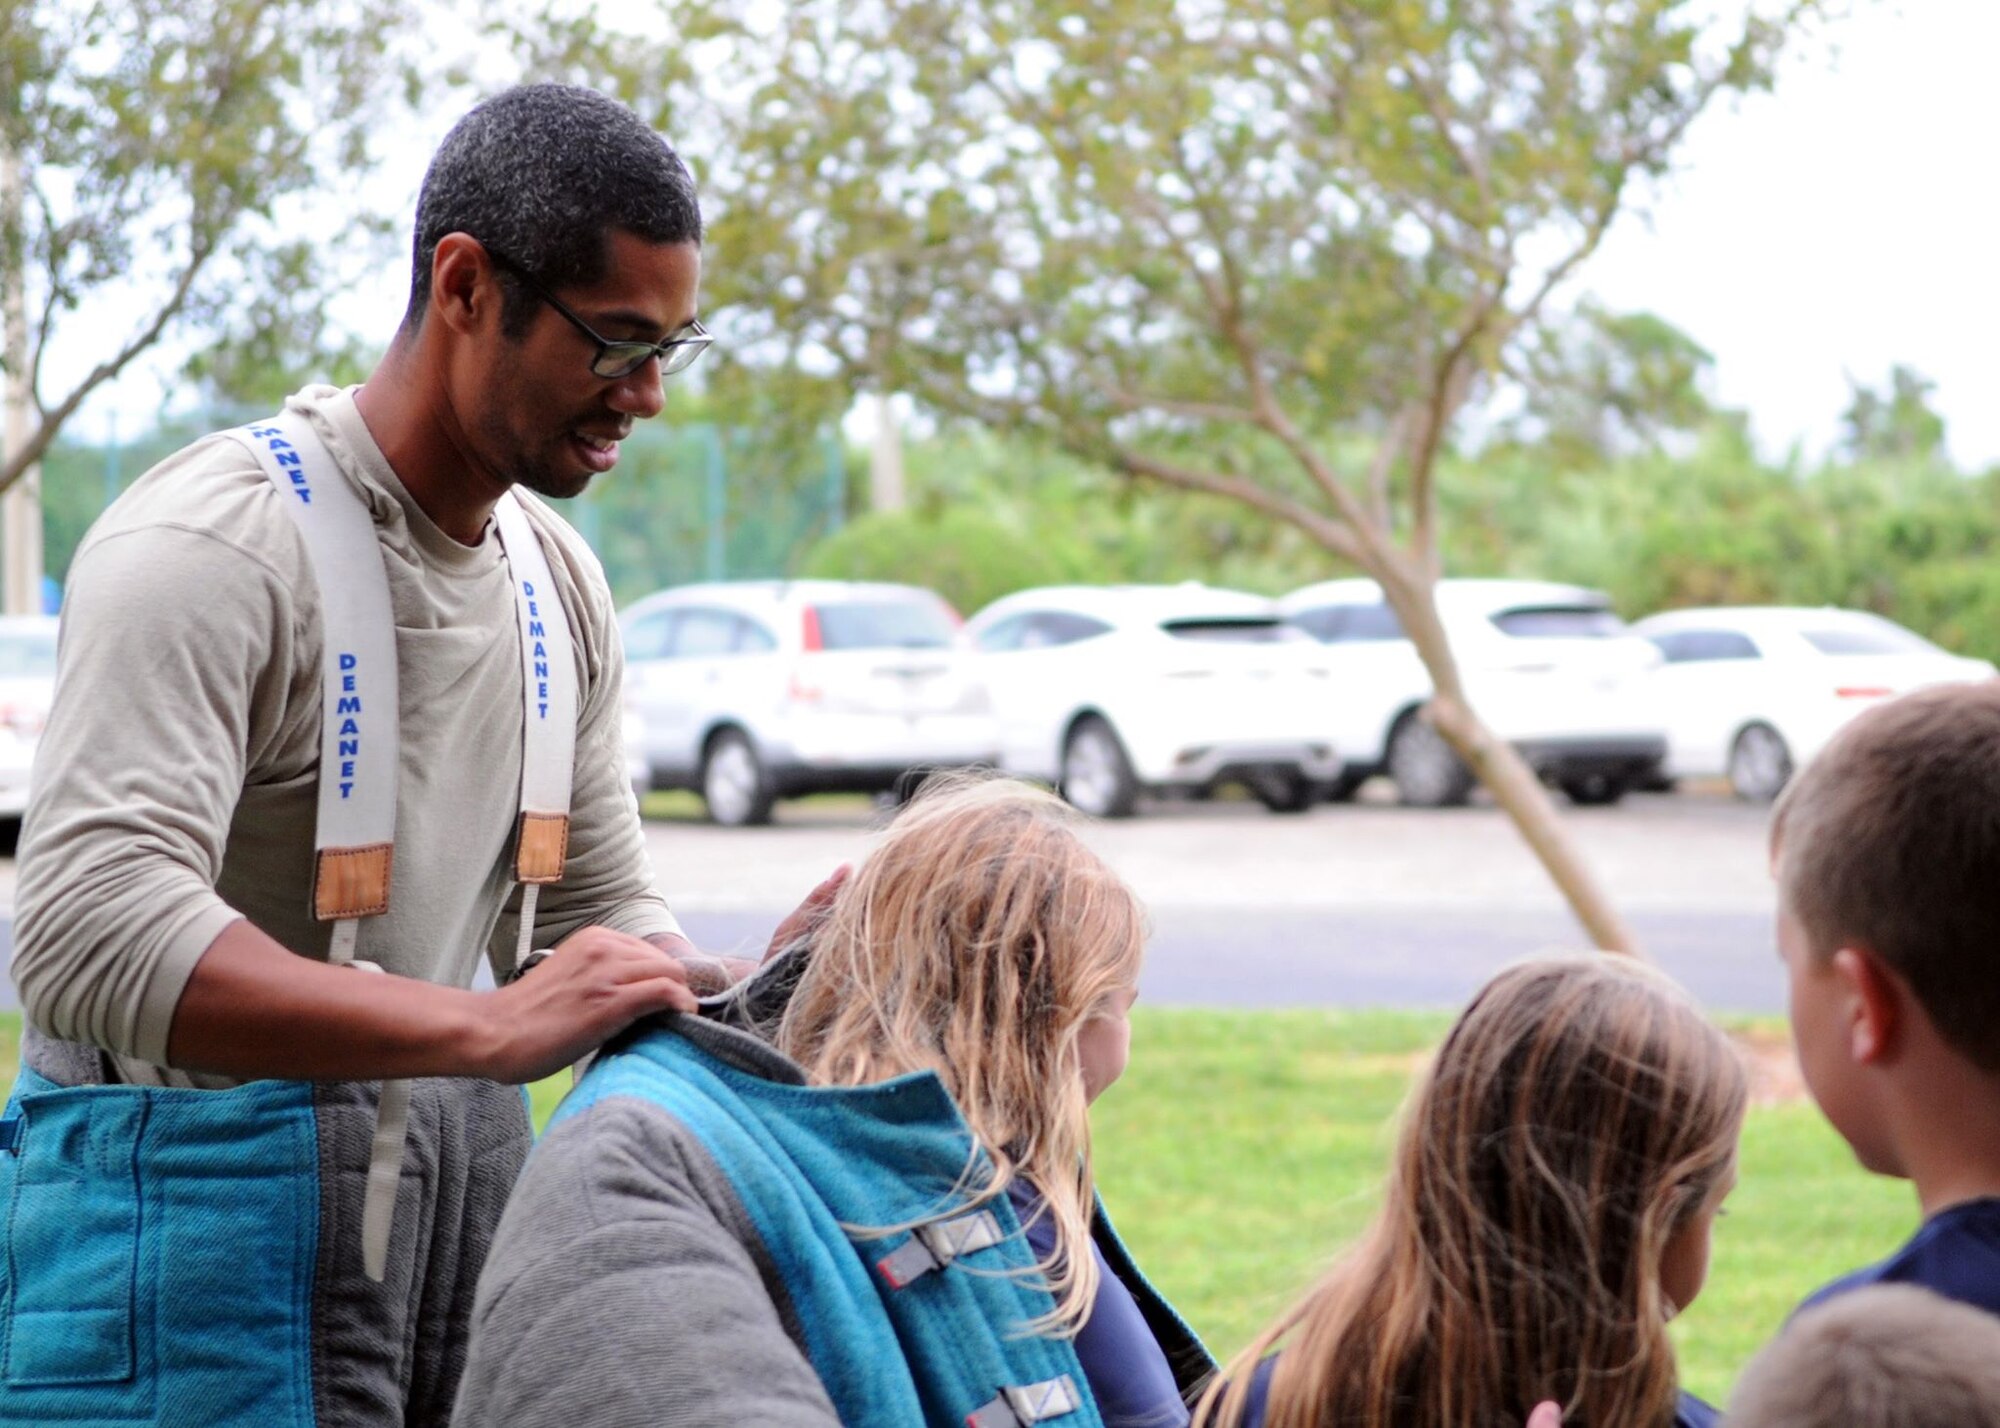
{"x": 1887, "y": 855}
{"x": 1888, "y": 1356}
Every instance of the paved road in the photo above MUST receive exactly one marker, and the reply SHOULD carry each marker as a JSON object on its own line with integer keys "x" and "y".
{"x": 1362, "y": 905}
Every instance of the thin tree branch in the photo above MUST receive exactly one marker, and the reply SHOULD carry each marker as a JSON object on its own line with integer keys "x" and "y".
{"x": 1222, "y": 412}
{"x": 1331, "y": 534}
{"x": 45, "y": 433}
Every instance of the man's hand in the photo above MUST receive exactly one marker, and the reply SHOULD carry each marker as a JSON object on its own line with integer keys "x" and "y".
{"x": 808, "y": 913}
{"x": 709, "y": 973}
{"x": 591, "y": 987}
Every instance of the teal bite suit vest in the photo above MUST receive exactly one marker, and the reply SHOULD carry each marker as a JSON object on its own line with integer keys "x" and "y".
{"x": 905, "y": 1328}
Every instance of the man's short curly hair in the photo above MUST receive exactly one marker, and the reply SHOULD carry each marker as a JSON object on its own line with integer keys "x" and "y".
{"x": 543, "y": 173}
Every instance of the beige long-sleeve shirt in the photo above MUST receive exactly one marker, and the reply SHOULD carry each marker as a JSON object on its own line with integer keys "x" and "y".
{"x": 176, "y": 786}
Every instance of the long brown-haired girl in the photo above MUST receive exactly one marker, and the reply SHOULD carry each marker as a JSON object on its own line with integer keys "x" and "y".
{"x": 857, "y": 1188}
{"x": 1559, "y": 1168}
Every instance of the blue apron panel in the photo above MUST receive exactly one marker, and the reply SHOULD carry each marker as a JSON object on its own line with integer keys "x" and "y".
{"x": 160, "y": 1255}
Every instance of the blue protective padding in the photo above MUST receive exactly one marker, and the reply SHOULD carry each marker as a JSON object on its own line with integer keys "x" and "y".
{"x": 159, "y": 1255}
{"x": 806, "y": 1161}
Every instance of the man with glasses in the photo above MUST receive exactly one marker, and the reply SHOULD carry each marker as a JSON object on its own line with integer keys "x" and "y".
{"x": 171, "y": 936}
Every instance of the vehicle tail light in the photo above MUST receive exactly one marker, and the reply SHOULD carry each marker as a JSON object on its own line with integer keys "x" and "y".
{"x": 1862, "y": 691}
{"x": 809, "y": 636}
{"x": 27, "y": 720}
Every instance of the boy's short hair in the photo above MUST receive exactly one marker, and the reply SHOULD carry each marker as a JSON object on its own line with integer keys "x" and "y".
{"x": 1888, "y": 1356}
{"x": 1890, "y": 841}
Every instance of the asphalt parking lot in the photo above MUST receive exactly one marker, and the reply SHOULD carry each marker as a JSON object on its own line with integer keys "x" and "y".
{"x": 1363, "y": 904}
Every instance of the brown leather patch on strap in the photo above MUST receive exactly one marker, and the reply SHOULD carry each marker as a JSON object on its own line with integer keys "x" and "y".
{"x": 351, "y": 882}
{"x": 544, "y": 844}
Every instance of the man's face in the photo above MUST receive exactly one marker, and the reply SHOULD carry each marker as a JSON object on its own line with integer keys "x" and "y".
{"x": 545, "y": 420}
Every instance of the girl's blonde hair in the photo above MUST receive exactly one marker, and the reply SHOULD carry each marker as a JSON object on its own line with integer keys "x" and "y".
{"x": 975, "y": 943}
{"x": 1580, "y": 1112}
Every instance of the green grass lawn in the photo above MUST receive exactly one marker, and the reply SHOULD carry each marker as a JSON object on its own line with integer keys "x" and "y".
{"x": 1243, "y": 1149}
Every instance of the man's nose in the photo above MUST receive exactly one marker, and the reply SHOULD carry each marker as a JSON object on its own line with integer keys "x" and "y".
{"x": 642, "y": 393}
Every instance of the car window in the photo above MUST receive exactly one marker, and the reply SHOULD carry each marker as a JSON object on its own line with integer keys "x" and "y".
{"x": 1558, "y": 622}
{"x": 1054, "y": 628}
{"x": 1233, "y": 629}
{"x": 753, "y": 638}
{"x": 651, "y": 636}
{"x": 28, "y": 656}
{"x": 1347, "y": 624}
{"x": 1696, "y": 646}
{"x": 1873, "y": 638}
{"x": 1005, "y": 634}
{"x": 885, "y": 624}
{"x": 704, "y": 633}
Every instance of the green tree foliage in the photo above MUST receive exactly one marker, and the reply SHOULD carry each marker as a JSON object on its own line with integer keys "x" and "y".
{"x": 1198, "y": 242}
{"x": 1600, "y": 384}
{"x": 1896, "y": 422}
{"x": 158, "y": 145}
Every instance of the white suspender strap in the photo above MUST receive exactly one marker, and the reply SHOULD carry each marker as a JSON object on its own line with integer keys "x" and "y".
{"x": 548, "y": 730}
{"x": 358, "y": 740}
{"x": 358, "y": 746}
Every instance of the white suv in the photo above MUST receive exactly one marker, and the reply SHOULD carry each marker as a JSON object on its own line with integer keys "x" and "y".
{"x": 1549, "y": 668}
{"x": 1110, "y": 691}
{"x": 751, "y": 691}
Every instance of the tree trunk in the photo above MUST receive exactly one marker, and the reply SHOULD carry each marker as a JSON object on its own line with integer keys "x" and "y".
{"x": 1520, "y": 794}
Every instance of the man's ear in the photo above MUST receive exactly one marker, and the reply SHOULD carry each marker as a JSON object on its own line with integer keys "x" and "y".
{"x": 1875, "y": 999}
{"x": 465, "y": 286}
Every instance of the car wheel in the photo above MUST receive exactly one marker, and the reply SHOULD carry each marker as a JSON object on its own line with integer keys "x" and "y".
{"x": 1427, "y": 771}
{"x": 1284, "y": 792}
{"x": 1096, "y": 775}
{"x": 1595, "y": 790}
{"x": 1344, "y": 788}
{"x": 1760, "y": 764}
{"x": 733, "y": 781}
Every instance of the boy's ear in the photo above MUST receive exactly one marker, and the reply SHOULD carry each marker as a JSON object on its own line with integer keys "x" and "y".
{"x": 1874, "y": 1005}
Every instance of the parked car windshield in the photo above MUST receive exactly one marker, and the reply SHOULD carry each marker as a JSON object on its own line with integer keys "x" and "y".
{"x": 884, "y": 624}
{"x": 1559, "y": 622}
{"x": 1350, "y": 624}
{"x": 1236, "y": 630}
{"x": 27, "y": 656}
{"x": 1870, "y": 639}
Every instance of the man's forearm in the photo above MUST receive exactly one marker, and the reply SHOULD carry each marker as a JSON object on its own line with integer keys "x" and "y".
{"x": 251, "y": 1008}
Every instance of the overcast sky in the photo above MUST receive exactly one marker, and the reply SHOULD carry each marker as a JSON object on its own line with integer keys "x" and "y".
{"x": 1843, "y": 224}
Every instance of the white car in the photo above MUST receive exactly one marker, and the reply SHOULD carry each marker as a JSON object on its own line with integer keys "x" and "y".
{"x": 1549, "y": 668}
{"x": 1111, "y": 691}
{"x": 27, "y": 687}
{"x": 1751, "y": 694}
{"x": 751, "y": 691}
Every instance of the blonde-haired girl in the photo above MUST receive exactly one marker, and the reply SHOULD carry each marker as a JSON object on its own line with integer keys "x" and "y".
{"x": 1559, "y": 1168}
{"x": 858, "y": 1188}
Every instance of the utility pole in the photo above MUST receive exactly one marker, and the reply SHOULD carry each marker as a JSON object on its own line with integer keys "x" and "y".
{"x": 886, "y": 491}
{"x": 21, "y": 505}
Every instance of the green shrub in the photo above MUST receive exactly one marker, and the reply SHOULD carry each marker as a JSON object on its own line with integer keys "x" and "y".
{"x": 965, "y": 555}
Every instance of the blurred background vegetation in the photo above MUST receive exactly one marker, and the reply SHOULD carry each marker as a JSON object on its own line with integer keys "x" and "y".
{"x": 1669, "y": 505}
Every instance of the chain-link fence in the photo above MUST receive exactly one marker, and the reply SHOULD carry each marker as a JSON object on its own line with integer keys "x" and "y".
{"x": 687, "y": 502}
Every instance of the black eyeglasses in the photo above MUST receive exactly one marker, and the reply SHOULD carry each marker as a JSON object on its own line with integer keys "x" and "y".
{"x": 617, "y": 359}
